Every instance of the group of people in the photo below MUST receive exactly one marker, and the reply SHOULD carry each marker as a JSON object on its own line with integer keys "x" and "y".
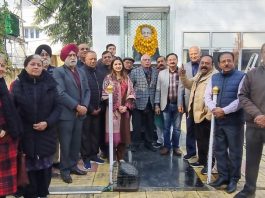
{"x": 49, "y": 106}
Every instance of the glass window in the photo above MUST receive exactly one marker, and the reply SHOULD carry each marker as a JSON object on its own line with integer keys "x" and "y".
{"x": 31, "y": 33}
{"x": 37, "y": 33}
{"x": 224, "y": 39}
{"x": 253, "y": 40}
{"x": 26, "y": 33}
{"x": 200, "y": 39}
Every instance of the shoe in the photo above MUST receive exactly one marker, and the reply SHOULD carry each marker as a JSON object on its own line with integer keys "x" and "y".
{"x": 157, "y": 145}
{"x": 196, "y": 165}
{"x": 177, "y": 152}
{"x": 97, "y": 160}
{"x": 122, "y": 161}
{"x": 103, "y": 155}
{"x": 164, "y": 151}
{"x": 187, "y": 157}
{"x": 204, "y": 170}
{"x": 150, "y": 147}
{"x": 87, "y": 165}
{"x": 66, "y": 178}
{"x": 56, "y": 165}
{"x": 231, "y": 187}
{"x": 245, "y": 194}
{"x": 219, "y": 182}
{"x": 75, "y": 170}
{"x": 132, "y": 148}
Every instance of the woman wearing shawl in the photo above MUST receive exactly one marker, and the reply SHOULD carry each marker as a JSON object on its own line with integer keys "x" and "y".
{"x": 123, "y": 103}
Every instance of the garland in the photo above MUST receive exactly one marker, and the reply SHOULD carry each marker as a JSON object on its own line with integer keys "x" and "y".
{"x": 145, "y": 45}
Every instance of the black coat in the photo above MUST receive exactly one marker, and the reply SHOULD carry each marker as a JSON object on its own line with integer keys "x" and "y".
{"x": 13, "y": 124}
{"x": 37, "y": 100}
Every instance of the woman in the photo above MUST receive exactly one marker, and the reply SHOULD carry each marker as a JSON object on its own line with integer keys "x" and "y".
{"x": 35, "y": 97}
{"x": 123, "y": 100}
{"x": 10, "y": 129}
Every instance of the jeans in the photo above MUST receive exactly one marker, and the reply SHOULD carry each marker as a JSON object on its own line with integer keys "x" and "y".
{"x": 172, "y": 118}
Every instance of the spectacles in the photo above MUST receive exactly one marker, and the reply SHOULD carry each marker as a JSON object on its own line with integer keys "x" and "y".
{"x": 83, "y": 49}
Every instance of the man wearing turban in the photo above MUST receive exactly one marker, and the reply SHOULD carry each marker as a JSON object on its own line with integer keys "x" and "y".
{"x": 74, "y": 97}
{"x": 45, "y": 53}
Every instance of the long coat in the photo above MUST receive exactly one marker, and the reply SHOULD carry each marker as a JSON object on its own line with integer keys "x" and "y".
{"x": 8, "y": 144}
{"x": 37, "y": 100}
{"x": 121, "y": 122}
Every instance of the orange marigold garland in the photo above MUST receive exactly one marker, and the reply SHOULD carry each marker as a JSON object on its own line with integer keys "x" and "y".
{"x": 145, "y": 45}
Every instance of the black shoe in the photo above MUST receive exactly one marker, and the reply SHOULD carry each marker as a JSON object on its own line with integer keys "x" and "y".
{"x": 219, "y": 182}
{"x": 56, "y": 165}
{"x": 204, "y": 170}
{"x": 231, "y": 187}
{"x": 150, "y": 147}
{"x": 245, "y": 194}
{"x": 157, "y": 145}
{"x": 188, "y": 156}
{"x": 196, "y": 165}
{"x": 75, "y": 170}
{"x": 66, "y": 178}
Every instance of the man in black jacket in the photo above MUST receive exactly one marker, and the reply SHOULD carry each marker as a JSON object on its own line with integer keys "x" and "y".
{"x": 91, "y": 126}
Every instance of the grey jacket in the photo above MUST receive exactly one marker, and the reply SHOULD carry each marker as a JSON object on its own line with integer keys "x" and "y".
{"x": 142, "y": 90}
{"x": 69, "y": 93}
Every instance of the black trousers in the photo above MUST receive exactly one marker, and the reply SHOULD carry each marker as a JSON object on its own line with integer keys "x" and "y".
{"x": 228, "y": 150}
{"x": 143, "y": 118}
{"x": 255, "y": 138}
{"x": 39, "y": 182}
{"x": 90, "y": 137}
{"x": 190, "y": 136}
{"x": 202, "y": 134}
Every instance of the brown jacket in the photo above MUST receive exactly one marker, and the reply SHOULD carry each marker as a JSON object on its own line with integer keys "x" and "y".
{"x": 197, "y": 85}
{"x": 252, "y": 94}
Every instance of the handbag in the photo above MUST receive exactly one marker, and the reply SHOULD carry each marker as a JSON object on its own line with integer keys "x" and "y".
{"x": 22, "y": 175}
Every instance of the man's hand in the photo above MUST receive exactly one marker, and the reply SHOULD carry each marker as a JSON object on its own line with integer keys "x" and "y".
{"x": 122, "y": 109}
{"x": 260, "y": 121}
{"x": 180, "y": 109}
{"x": 96, "y": 111}
{"x": 41, "y": 126}
{"x": 2, "y": 133}
{"x": 218, "y": 112}
{"x": 182, "y": 71}
{"x": 81, "y": 110}
{"x": 157, "y": 110}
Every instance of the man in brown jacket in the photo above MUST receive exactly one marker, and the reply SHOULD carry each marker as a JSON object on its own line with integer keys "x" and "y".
{"x": 197, "y": 109}
{"x": 252, "y": 97}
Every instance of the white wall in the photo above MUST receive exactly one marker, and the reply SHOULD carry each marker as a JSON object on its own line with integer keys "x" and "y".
{"x": 191, "y": 15}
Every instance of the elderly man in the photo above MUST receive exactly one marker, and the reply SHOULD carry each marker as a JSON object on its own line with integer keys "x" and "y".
{"x": 91, "y": 127}
{"x": 166, "y": 100}
{"x": 144, "y": 80}
{"x": 229, "y": 119}
{"x": 45, "y": 53}
{"x": 74, "y": 98}
{"x": 197, "y": 109}
{"x": 252, "y": 97}
{"x": 82, "y": 51}
{"x": 191, "y": 69}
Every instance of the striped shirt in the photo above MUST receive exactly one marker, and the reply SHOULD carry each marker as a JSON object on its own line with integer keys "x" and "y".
{"x": 173, "y": 86}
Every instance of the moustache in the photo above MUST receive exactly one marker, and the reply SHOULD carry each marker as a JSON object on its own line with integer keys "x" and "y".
{"x": 204, "y": 67}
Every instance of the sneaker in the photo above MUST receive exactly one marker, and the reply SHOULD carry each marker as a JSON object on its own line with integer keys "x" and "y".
{"x": 187, "y": 157}
{"x": 157, "y": 145}
{"x": 196, "y": 165}
{"x": 97, "y": 160}
{"x": 204, "y": 170}
{"x": 87, "y": 165}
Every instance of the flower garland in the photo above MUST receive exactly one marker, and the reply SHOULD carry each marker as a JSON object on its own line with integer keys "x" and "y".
{"x": 145, "y": 45}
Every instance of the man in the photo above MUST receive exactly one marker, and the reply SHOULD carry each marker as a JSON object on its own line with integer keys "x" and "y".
{"x": 104, "y": 64}
{"x": 197, "y": 109}
{"x": 229, "y": 127}
{"x": 191, "y": 69}
{"x": 45, "y": 53}
{"x": 74, "y": 98}
{"x": 166, "y": 100}
{"x": 82, "y": 51}
{"x": 144, "y": 80}
{"x": 91, "y": 126}
{"x": 128, "y": 64}
{"x": 252, "y": 97}
{"x": 159, "y": 120}
{"x": 112, "y": 49}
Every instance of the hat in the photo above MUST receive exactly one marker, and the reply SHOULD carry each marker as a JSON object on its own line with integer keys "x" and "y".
{"x": 45, "y": 47}
{"x": 128, "y": 58}
{"x": 67, "y": 49}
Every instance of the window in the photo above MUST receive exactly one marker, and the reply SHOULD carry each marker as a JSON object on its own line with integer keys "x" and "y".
{"x": 26, "y": 32}
{"x": 200, "y": 39}
{"x": 31, "y": 33}
{"x": 37, "y": 33}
